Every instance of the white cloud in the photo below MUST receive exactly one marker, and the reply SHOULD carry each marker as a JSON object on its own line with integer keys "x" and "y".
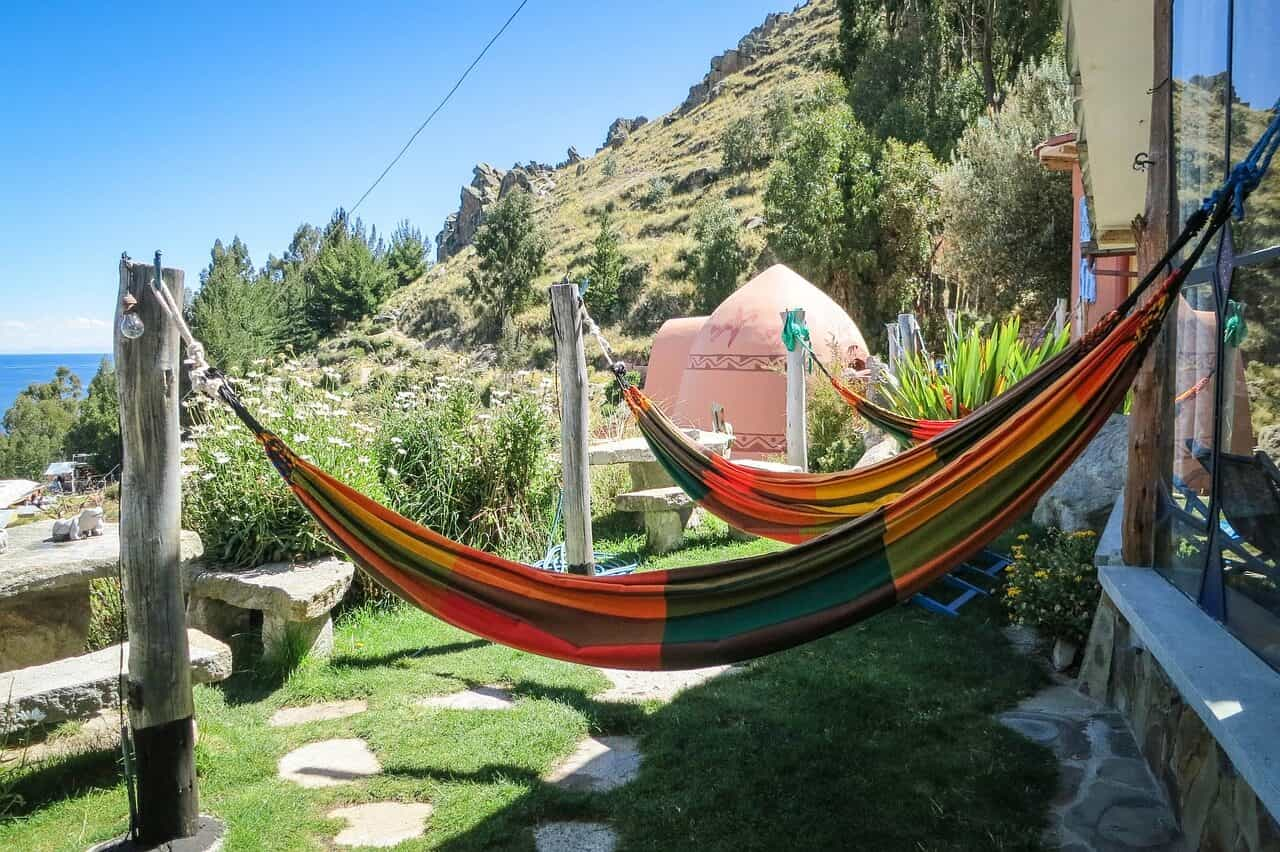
{"x": 55, "y": 335}
{"x": 16, "y": 324}
{"x": 85, "y": 323}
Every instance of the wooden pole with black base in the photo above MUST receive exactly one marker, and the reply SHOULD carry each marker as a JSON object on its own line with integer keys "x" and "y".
{"x": 158, "y": 687}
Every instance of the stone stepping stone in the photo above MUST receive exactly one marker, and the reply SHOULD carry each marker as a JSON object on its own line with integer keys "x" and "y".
{"x": 329, "y": 763}
{"x": 381, "y": 824}
{"x": 475, "y": 698}
{"x": 288, "y": 716}
{"x": 575, "y": 837}
{"x": 642, "y": 686}
{"x": 598, "y": 765}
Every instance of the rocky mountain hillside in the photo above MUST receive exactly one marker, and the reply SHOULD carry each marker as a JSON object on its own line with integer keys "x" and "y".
{"x": 680, "y": 151}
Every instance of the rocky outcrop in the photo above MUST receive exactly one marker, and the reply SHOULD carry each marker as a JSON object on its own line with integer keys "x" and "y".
{"x": 621, "y": 130}
{"x": 488, "y": 186}
{"x": 1083, "y": 496}
{"x": 752, "y": 46}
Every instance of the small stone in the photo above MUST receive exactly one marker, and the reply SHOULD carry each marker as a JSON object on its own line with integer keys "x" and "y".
{"x": 598, "y": 765}
{"x": 575, "y": 837}
{"x": 327, "y": 711}
{"x": 475, "y": 698}
{"x": 381, "y": 824}
{"x": 329, "y": 763}
{"x": 1064, "y": 654}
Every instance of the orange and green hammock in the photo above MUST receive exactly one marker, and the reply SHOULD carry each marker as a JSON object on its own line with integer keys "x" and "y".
{"x": 795, "y": 507}
{"x": 734, "y": 610}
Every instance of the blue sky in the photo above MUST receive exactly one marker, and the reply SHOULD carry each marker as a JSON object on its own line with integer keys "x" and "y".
{"x": 132, "y": 127}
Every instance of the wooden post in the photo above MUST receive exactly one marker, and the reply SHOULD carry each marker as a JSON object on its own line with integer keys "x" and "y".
{"x": 1151, "y": 418}
{"x": 571, "y": 360}
{"x": 907, "y": 328}
{"x": 797, "y": 415}
{"x": 161, "y": 712}
{"x": 1059, "y": 317}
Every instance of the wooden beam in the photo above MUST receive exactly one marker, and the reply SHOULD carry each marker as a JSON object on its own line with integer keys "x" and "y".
{"x": 1151, "y": 418}
{"x": 161, "y": 712}
{"x": 571, "y": 362}
{"x": 797, "y": 415}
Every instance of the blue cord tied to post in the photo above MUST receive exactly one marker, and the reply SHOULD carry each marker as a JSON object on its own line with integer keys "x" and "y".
{"x": 1249, "y": 172}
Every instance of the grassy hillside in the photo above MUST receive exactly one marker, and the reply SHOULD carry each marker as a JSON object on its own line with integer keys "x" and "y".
{"x": 434, "y": 312}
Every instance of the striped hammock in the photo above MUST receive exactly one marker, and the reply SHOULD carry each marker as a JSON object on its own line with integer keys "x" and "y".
{"x": 734, "y": 610}
{"x": 796, "y": 507}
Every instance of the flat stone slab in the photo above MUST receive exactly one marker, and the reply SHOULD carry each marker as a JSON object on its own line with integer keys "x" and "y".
{"x": 643, "y": 686}
{"x": 598, "y": 765}
{"x": 329, "y": 763}
{"x": 631, "y": 450}
{"x": 575, "y": 837}
{"x": 287, "y": 717}
{"x": 294, "y": 591}
{"x": 475, "y": 698}
{"x": 671, "y": 499}
{"x": 79, "y": 687}
{"x": 34, "y": 564}
{"x": 98, "y": 733}
{"x": 381, "y": 824}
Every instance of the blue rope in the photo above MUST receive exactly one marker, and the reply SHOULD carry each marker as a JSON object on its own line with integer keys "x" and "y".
{"x": 1248, "y": 173}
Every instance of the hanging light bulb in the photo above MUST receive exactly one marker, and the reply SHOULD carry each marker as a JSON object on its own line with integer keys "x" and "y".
{"x": 131, "y": 326}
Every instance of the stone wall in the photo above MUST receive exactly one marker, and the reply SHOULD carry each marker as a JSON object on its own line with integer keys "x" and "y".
{"x": 1215, "y": 807}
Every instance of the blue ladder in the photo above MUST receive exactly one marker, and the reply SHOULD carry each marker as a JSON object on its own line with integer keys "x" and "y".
{"x": 988, "y": 563}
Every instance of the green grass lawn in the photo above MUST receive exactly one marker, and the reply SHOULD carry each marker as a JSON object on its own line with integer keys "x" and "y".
{"x": 880, "y": 737}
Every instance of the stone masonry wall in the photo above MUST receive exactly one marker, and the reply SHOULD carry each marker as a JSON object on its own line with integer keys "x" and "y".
{"x": 1215, "y": 807}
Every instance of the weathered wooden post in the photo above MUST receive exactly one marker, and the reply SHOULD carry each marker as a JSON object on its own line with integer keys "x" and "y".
{"x": 797, "y": 414}
{"x": 1059, "y": 317}
{"x": 571, "y": 362}
{"x": 161, "y": 712}
{"x": 908, "y": 334}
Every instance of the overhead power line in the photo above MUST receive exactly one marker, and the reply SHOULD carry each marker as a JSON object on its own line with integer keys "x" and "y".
{"x": 439, "y": 106}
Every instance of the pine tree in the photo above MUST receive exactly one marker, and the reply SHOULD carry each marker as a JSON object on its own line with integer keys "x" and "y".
{"x": 604, "y": 293}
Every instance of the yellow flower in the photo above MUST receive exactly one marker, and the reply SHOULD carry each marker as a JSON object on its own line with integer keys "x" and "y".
{"x": 1024, "y": 537}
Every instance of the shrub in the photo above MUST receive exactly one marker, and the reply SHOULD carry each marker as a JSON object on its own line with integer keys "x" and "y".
{"x": 718, "y": 258}
{"x": 745, "y": 144}
{"x": 605, "y": 270}
{"x": 106, "y": 613}
{"x": 407, "y": 255}
{"x": 975, "y": 369}
{"x": 97, "y": 427}
{"x": 834, "y": 440}
{"x": 655, "y": 307}
{"x": 609, "y": 168}
{"x": 657, "y": 193}
{"x": 482, "y": 475}
{"x": 1052, "y": 584}
{"x": 348, "y": 279}
{"x": 235, "y": 500}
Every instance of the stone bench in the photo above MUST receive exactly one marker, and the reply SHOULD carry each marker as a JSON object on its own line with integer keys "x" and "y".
{"x": 295, "y": 599}
{"x": 44, "y": 590}
{"x": 666, "y": 513}
{"x": 769, "y": 467}
{"x": 79, "y": 687}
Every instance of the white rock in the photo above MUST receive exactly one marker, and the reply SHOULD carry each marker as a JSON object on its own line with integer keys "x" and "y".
{"x": 381, "y": 824}
{"x": 642, "y": 686}
{"x": 476, "y": 698}
{"x": 598, "y": 765}
{"x": 1064, "y": 654}
{"x": 324, "y": 712}
{"x": 575, "y": 837}
{"x": 883, "y": 451}
{"x": 329, "y": 763}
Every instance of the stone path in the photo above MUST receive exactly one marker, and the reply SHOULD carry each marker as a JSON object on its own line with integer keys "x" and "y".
{"x": 329, "y": 763}
{"x": 575, "y": 837}
{"x": 289, "y": 716}
{"x": 381, "y": 824}
{"x": 642, "y": 686}
{"x": 1107, "y": 799}
{"x": 475, "y": 698}
{"x": 598, "y": 765}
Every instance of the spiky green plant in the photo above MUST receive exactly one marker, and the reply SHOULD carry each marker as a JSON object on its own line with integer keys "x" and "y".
{"x": 975, "y": 368}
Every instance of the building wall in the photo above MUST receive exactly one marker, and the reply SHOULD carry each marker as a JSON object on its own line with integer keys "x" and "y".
{"x": 1215, "y": 807}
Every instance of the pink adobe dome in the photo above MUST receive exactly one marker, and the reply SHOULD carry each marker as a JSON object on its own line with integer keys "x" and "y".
{"x": 737, "y": 359}
{"x": 667, "y": 357}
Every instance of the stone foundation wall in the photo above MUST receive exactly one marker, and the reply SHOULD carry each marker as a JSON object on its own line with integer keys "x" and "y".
{"x": 1215, "y": 807}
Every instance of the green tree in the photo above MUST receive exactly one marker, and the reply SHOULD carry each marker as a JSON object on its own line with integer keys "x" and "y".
{"x": 238, "y": 313}
{"x": 347, "y": 280}
{"x": 1008, "y": 219}
{"x": 97, "y": 427}
{"x": 718, "y": 258}
{"x": 604, "y": 294}
{"x": 36, "y": 425}
{"x": 745, "y": 144}
{"x": 407, "y": 256}
{"x": 512, "y": 252}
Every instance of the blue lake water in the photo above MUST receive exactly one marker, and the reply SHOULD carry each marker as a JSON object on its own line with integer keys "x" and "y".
{"x": 19, "y": 371}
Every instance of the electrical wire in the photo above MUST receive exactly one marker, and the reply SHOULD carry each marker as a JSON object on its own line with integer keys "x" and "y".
{"x": 439, "y": 106}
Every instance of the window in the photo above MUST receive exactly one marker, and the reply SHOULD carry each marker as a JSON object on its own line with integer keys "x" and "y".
{"x": 1222, "y": 546}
